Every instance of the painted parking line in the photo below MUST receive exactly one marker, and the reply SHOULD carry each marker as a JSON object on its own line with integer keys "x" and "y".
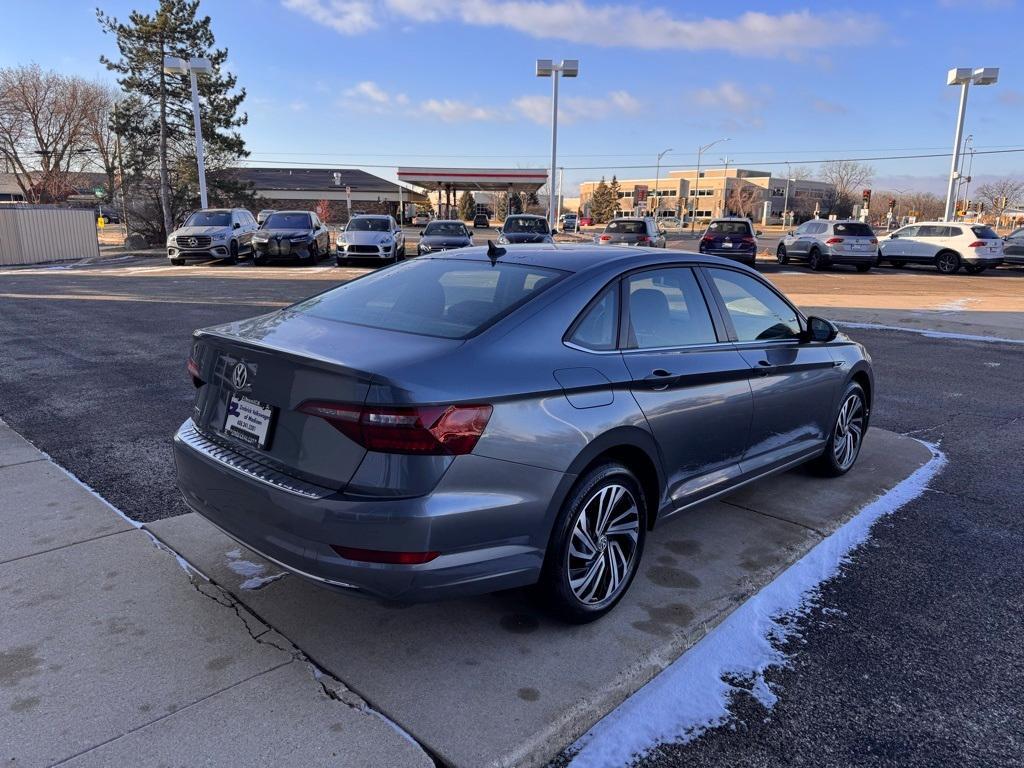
{"x": 692, "y": 694}
{"x": 930, "y": 333}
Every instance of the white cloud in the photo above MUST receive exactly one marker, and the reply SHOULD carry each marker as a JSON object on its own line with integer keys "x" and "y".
{"x": 370, "y": 90}
{"x": 454, "y": 111}
{"x": 575, "y": 108}
{"x": 611, "y": 25}
{"x": 729, "y": 97}
{"x": 298, "y": 106}
{"x": 349, "y": 17}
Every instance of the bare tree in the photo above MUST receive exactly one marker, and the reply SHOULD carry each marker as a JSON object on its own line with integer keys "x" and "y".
{"x": 99, "y": 134}
{"x": 1001, "y": 195}
{"x": 43, "y": 136}
{"x": 800, "y": 173}
{"x": 744, "y": 200}
{"x": 847, "y": 176}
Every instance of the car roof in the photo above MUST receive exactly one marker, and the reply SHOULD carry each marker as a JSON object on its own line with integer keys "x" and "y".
{"x": 732, "y": 218}
{"x": 446, "y": 221}
{"x": 283, "y": 210}
{"x": 525, "y": 216}
{"x": 579, "y": 257}
{"x": 371, "y": 216}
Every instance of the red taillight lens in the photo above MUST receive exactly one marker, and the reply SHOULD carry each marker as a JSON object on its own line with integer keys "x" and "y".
{"x": 874, "y": 241}
{"x": 748, "y": 240}
{"x": 385, "y": 556}
{"x": 708, "y": 239}
{"x": 641, "y": 238}
{"x": 435, "y": 430}
{"x": 606, "y": 237}
{"x": 978, "y": 244}
{"x": 833, "y": 240}
{"x": 193, "y": 371}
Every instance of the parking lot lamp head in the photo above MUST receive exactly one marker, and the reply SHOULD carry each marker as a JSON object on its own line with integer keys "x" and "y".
{"x": 548, "y": 68}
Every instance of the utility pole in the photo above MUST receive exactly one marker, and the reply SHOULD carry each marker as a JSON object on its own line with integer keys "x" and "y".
{"x": 696, "y": 182}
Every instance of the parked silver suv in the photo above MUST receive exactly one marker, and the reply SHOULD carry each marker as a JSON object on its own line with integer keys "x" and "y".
{"x": 823, "y": 243}
{"x": 214, "y": 233}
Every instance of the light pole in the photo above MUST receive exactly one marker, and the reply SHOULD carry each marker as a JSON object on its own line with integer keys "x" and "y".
{"x": 175, "y": 66}
{"x": 967, "y": 180}
{"x": 963, "y": 76}
{"x": 696, "y": 181}
{"x": 548, "y": 68}
{"x": 785, "y": 202}
{"x": 657, "y": 178}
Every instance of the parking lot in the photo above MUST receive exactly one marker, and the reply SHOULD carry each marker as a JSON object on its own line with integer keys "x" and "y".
{"x": 94, "y": 375}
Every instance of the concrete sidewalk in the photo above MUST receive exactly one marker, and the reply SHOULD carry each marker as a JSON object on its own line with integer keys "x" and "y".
{"x": 113, "y": 652}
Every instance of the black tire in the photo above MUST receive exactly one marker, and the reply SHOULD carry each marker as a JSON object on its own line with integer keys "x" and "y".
{"x": 897, "y": 264}
{"x": 780, "y": 255}
{"x": 556, "y": 589}
{"x": 339, "y": 262}
{"x": 815, "y": 260}
{"x": 233, "y": 252}
{"x": 947, "y": 262}
{"x": 257, "y": 261}
{"x": 314, "y": 254}
{"x": 975, "y": 269}
{"x": 863, "y": 267}
{"x": 177, "y": 262}
{"x": 834, "y": 461}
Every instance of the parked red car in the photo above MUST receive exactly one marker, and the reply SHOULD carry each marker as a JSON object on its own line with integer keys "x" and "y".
{"x": 586, "y": 221}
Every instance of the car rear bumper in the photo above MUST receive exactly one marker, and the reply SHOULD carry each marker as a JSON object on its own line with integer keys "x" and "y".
{"x": 744, "y": 257}
{"x": 489, "y": 519}
{"x": 855, "y": 257}
{"x": 983, "y": 261}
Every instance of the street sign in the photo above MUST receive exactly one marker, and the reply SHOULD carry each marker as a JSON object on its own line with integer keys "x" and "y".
{"x": 640, "y": 195}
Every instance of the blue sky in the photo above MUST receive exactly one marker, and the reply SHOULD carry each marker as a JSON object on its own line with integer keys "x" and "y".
{"x": 422, "y": 82}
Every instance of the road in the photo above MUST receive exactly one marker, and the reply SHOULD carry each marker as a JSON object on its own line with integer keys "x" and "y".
{"x": 913, "y": 656}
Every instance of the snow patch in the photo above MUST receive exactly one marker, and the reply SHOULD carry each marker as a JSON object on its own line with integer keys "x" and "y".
{"x": 692, "y": 694}
{"x": 929, "y": 334}
{"x": 253, "y": 572}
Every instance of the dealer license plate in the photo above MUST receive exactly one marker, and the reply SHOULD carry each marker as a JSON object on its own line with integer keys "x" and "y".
{"x": 726, "y": 244}
{"x": 249, "y": 421}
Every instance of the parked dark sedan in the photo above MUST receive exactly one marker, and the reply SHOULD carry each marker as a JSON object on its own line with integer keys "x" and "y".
{"x": 731, "y": 238}
{"x": 443, "y": 235}
{"x": 292, "y": 235}
{"x": 491, "y": 418}
{"x": 524, "y": 228}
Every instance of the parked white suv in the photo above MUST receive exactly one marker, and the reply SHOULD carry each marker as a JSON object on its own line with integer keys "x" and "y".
{"x": 947, "y": 245}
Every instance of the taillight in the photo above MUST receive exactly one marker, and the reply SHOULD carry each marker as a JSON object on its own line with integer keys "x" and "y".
{"x": 434, "y": 430}
{"x": 606, "y": 238}
{"x": 193, "y": 371}
{"x": 708, "y": 239}
{"x": 748, "y": 240}
{"x": 642, "y": 238}
{"x": 874, "y": 241}
{"x": 385, "y": 556}
{"x": 978, "y": 244}
{"x": 833, "y": 240}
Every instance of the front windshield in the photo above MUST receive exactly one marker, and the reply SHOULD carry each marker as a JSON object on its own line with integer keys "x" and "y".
{"x": 531, "y": 225}
{"x": 450, "y": 228}
{"x": 288, "y": 221}
{"x": 209, "y": 219}
{"x": 368, "y": 225}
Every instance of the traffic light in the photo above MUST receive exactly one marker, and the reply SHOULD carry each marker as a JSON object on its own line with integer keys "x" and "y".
{"x": 892, "y": 204}
{"x": 866, "y": 198}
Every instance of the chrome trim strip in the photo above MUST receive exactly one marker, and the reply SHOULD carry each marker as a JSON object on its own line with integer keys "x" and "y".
{"x": 246, "y": 466}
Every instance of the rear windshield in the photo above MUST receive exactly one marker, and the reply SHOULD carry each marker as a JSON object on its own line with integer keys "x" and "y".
{"x": 854, "y": 229}
{"x": 209, "y": 219}
{"x": 729, "y": 228}
{"x": 452, "y": 299}
{"x": 444, "y": 228}
{"x": 288, "y": 221}
{"x": 369, "y": 225}
{"x": 626, "y": 227}
{"x": 985, "y": 233}
{"x": 531, "y": 225}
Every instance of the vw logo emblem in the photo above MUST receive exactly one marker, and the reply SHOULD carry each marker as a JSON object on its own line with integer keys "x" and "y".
{"x": 193, "y": 242}
{"x": 240, "y": 376}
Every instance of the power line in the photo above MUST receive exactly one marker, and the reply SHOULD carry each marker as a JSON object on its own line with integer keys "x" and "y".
{"x": 872, "y": 158}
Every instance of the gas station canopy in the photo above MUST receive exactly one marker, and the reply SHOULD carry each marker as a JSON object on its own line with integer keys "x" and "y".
{"x": 476, "y": 179}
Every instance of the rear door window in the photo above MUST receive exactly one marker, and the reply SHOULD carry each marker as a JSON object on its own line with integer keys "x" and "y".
{"x": 756, "y": 311}
{"x": 437, "y": 297}
{"x": 932, "y": 231}
{"x": 740, "y": 228}
{"x": 627, "y": 227}
{"x": 667, "y": 309}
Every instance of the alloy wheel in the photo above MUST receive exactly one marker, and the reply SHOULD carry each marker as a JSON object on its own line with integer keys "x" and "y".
{"x": 849, "y": 431}
{"x": 948, "y": 262}
{"x": 603, "y": 545}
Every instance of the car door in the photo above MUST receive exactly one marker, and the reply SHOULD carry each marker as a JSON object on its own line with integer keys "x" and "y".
{"x": 896, "y": 246}
{"x": 1014, "y": 245}
{"x": 399, "y": 237}
{"x": 929, "y": 240}
{"x": 690, "y": 382}
{"x": 794, "y": 383}
{"x": 800, "y": 245}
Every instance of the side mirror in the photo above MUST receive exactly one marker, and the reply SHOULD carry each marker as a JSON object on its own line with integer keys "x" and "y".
{"x": 422, "y": 232}
{"x": 236, "y": 225}
{"x": 790, "y": 233}
{"x": 893, "y": 236}
{"x": 819, "y": 329}
{"x": 554, "y": 230}
{"x": 758, "y": 233}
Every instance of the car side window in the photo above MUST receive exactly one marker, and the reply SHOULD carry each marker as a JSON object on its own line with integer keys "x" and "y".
{"x": 933, "y": 231}
{"x": 598, "y": 328}
{"x": 757, "y": 312}
{"x": 667, "y": 309}
{"x": 908, "y": 232}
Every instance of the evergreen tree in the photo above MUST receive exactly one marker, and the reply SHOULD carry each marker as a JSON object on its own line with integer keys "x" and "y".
{"x": 156, "y": 124}
{"x": 602, "y": 204}
{"x": 467, "y": 206}
{"x": 613, "y": 188}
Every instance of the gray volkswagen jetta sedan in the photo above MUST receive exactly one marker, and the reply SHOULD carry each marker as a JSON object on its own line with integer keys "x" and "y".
{"x": 497, "y": 417}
